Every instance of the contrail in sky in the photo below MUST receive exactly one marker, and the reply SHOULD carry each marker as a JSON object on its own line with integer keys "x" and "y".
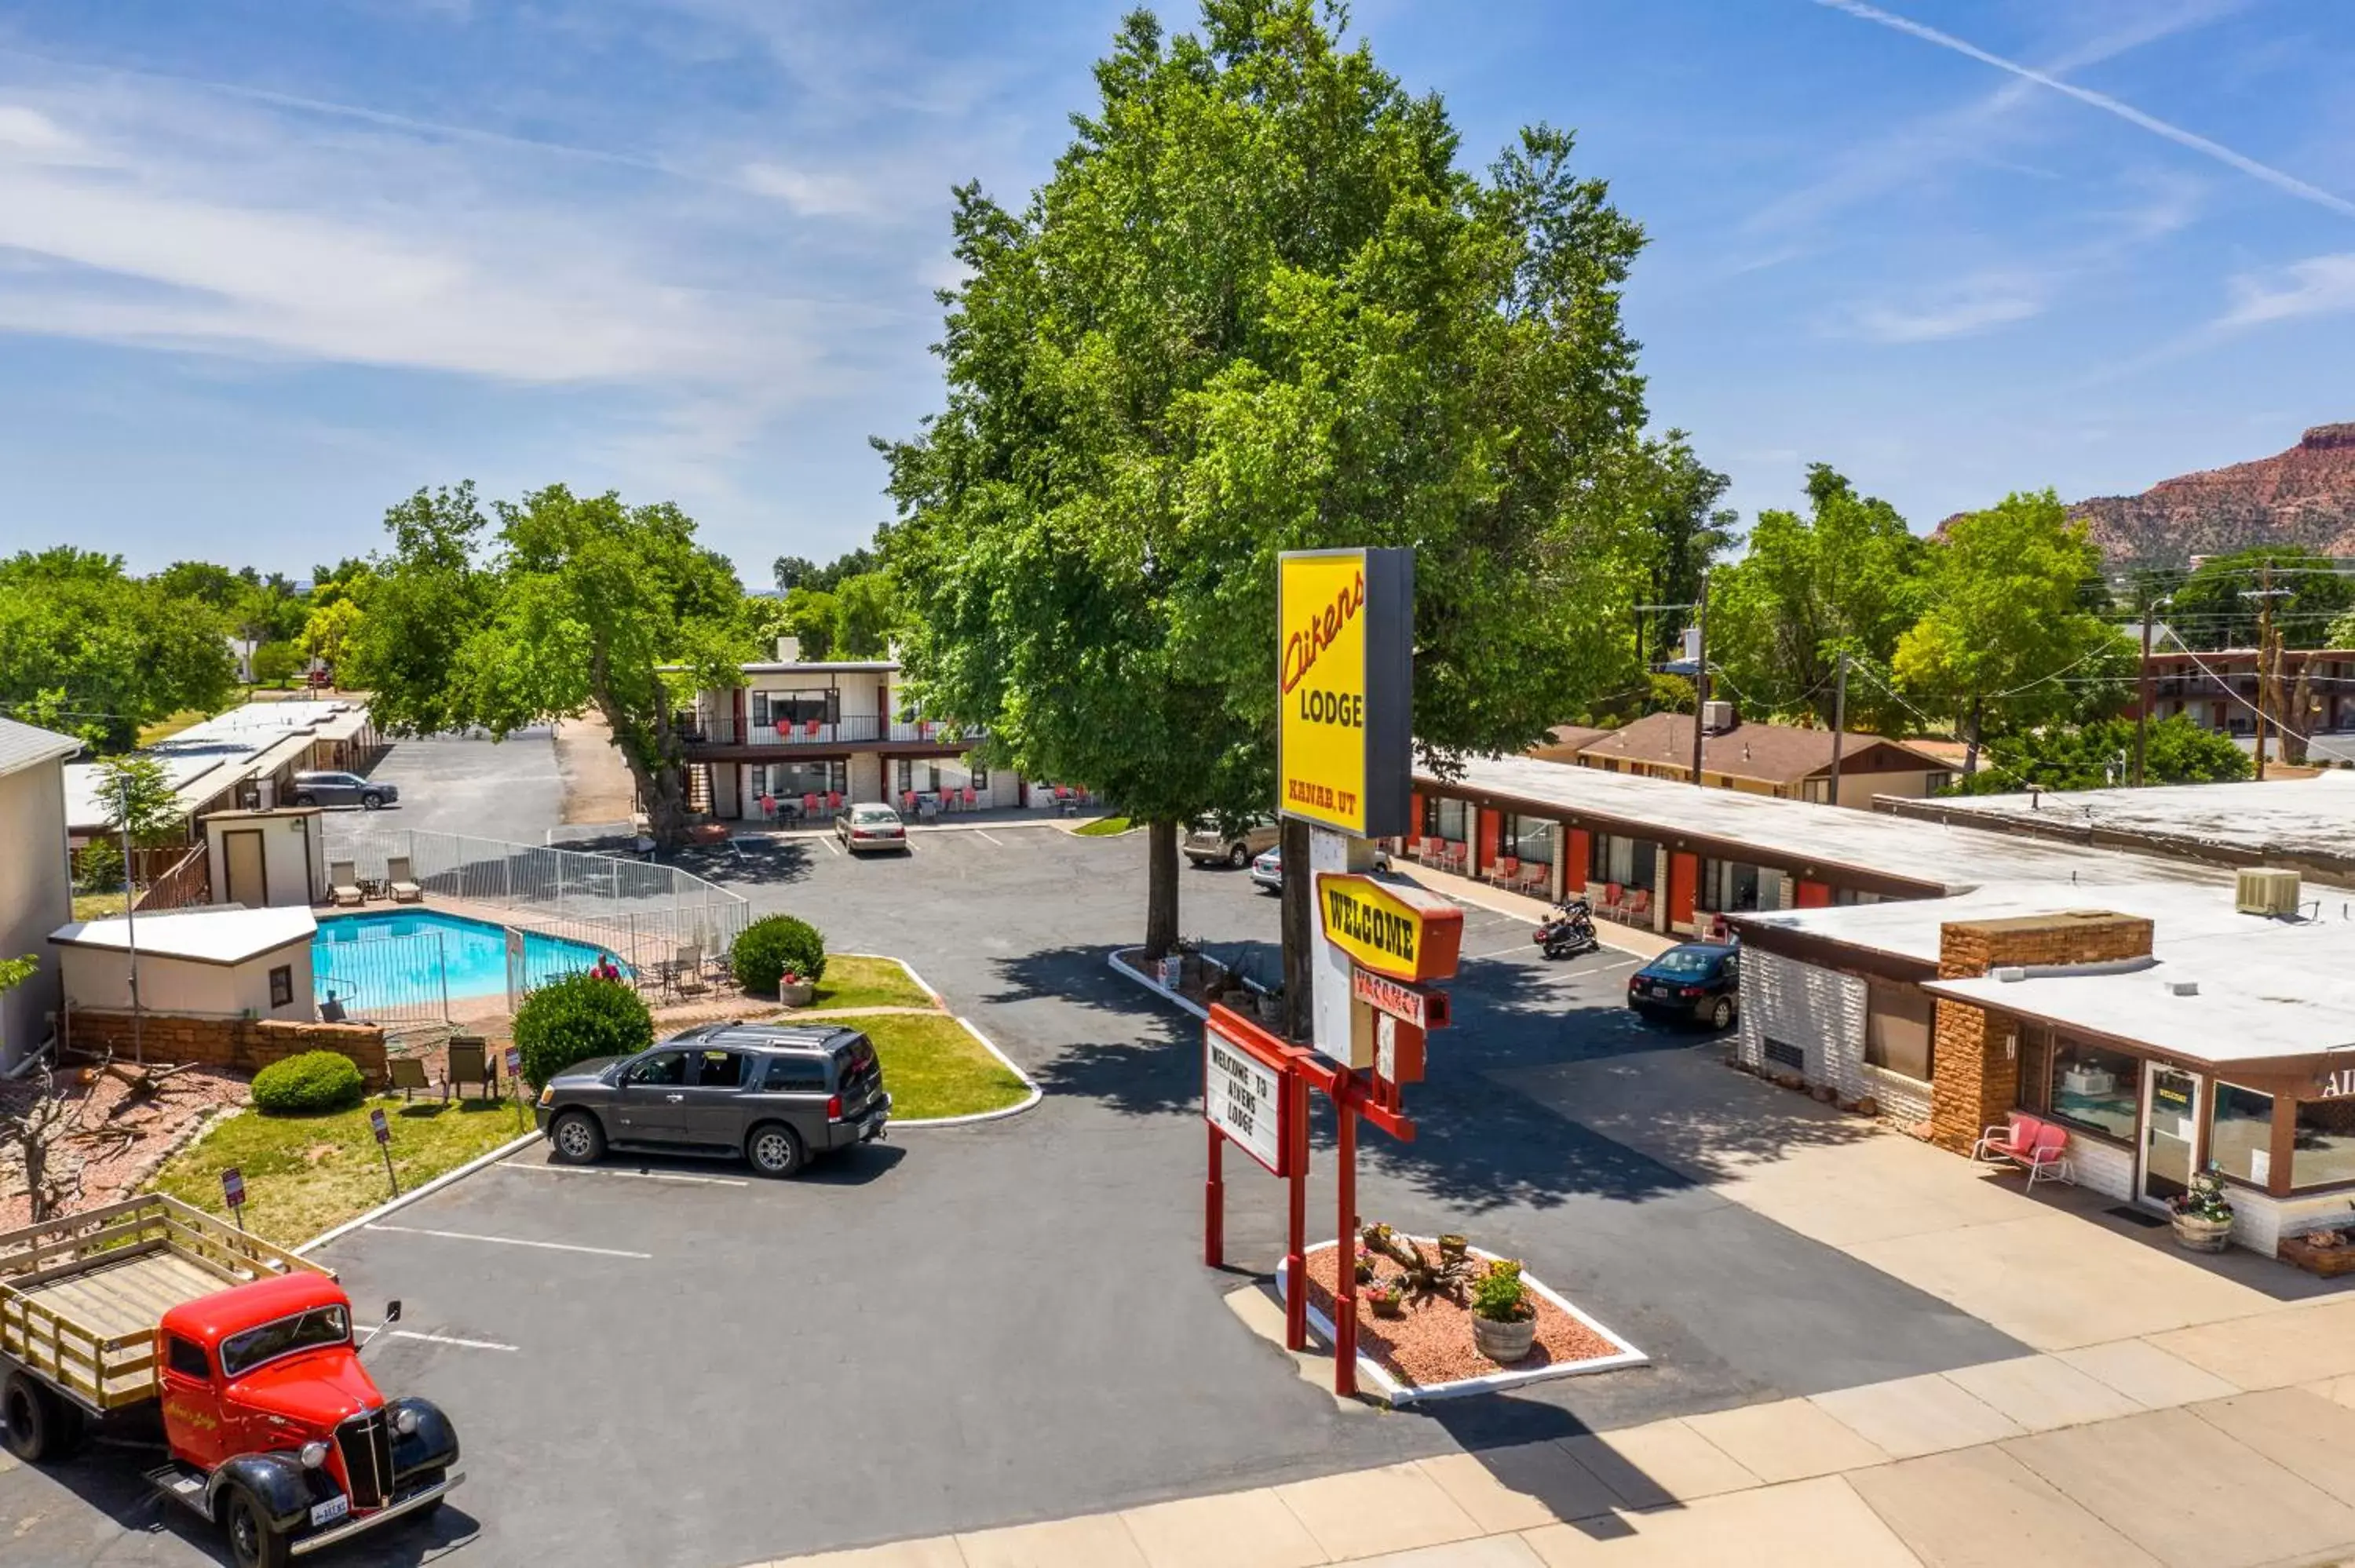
{"x": 2103, "y": 101}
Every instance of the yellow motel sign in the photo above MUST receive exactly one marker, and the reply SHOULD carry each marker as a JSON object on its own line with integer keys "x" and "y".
{"x": 1346, "y": 627}
{"x": 1393, "y": 928}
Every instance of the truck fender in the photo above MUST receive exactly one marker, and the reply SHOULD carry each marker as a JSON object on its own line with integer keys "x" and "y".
{"x": 434, "y": 1444}
{"x": 278, "y": 1481}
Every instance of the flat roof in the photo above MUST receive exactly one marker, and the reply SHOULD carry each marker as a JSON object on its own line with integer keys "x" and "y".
{"x": 825, "y": 667}
{"x": 1831, "y": 839}
{"x": 23, "y": 745}
{"x": 2309, "y": 820}
{"x": 220, "y": 752}
{"x": 225, "y": 936}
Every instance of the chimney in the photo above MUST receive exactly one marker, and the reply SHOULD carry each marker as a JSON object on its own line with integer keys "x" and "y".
{"x": 789, "y": 650}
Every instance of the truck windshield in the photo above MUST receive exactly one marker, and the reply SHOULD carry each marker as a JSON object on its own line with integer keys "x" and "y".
{"x": 241, "y": 1353}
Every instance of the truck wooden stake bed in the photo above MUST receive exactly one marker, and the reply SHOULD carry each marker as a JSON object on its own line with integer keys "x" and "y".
{"x": 245, "y": 1352}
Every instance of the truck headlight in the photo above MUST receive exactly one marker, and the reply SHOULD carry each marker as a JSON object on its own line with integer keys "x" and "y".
{"x": 404, "y": 1420}
{"x": 314, "y": 1454}
{"x": 547, "y": 1094}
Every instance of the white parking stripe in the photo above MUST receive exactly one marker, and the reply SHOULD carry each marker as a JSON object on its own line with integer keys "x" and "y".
{"x": 437, "y": 1339}
{"x": 631, "y": 1175}
{"x": 981, "y": 834}
{"x": 831, "y": 847}
{"x": 513, "y": 1241}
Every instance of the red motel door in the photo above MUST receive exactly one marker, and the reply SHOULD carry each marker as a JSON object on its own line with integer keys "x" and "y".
{"x": 1684, "y": 880}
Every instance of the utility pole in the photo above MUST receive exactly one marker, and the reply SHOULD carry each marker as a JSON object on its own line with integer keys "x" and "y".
{"x": 1700, "y": 673}
{"x": 2264, "y": 595}
{"x": 1839, "y": 717}
{"x": 2142, "y": 700}
{"x": 131, "y": 915}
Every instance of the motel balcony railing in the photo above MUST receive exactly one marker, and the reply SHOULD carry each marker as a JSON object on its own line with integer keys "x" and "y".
{"x": 851, "y": 730}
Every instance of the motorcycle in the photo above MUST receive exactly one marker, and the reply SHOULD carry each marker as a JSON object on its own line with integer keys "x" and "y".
{"x": 1568, "y": 932}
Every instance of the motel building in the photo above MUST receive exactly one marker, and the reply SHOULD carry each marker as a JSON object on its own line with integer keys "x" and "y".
{"x": 2164, "y": 1003}
{"x": 814, "y": 736}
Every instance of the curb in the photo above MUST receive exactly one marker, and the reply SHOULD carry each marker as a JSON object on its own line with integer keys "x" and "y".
{"x": 1155, "y": 987}
{"x": 446, "y": 1179}
{"x": 1002, "y": 1112}
{"x": 1072, "y": 828}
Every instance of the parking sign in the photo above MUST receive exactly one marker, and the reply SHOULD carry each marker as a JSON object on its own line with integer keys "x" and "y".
{"x": 233, "y": 1187}
{"x": 382, "y": 1129}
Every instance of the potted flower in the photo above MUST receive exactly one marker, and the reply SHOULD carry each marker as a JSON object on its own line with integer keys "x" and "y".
{"x": 1388, "y": 1296}
{"x": 2202, "y": 1216}
{"x": 1504, "y": 1321}
{"x": 795, "y": 991}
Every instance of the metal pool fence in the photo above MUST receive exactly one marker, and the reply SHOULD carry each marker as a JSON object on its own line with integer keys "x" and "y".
{"x": 386, "y": 979}
{"x": 636, "y": 907}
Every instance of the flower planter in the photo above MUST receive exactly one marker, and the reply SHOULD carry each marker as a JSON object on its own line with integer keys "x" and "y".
{"x": 1504, "y": 1343}
{"x": 800, "y": 994}
{"x": 2196, "y": 1234}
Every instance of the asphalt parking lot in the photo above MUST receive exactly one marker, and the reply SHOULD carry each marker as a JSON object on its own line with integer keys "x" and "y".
{"x": 672, "y": 1363}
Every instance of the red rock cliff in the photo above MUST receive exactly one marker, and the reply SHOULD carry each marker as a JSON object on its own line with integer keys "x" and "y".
{"x": 2304, "y": 496}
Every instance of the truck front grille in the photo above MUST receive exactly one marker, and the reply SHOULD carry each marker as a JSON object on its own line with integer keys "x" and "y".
{"x": 366, "y": 1444}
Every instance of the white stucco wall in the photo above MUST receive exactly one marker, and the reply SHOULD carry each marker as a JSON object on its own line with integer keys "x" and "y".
{"x": 100, "y": 978}
{"x": 1818, "y": 1009}
{"x": 36, "y": 898}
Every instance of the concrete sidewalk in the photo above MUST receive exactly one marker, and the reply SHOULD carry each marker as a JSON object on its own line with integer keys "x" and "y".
{"x": 2232, "y": 1445}
{"x": 1637, "y": 939}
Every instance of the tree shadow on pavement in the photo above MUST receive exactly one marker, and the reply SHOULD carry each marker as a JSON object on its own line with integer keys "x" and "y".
{"x": 760, "y": 862}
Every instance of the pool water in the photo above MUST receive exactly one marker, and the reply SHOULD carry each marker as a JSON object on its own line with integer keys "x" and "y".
{"x": 389, "y": 959}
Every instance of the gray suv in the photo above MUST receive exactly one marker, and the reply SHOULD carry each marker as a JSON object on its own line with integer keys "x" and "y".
{"x": 775, "y": 1094}
{"x": 343, "y": 789}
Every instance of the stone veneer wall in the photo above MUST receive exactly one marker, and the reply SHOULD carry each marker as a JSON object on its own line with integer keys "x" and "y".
{"x": 1976, "y": 1053}
{"x": 242, "y": 1044}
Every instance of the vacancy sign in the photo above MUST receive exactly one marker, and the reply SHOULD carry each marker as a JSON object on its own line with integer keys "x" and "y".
{"x": 1346, "y": 706}
{"x": 1243, "y": 1097}
{"x": 1418, "y": 1005}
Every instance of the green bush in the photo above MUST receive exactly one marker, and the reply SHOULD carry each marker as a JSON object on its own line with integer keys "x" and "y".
{"x": 573, "y": 1019}
{"x": 769, "y": 947}
{"x": 311, "y": 1082}
{"x": 1499, "y": 1296}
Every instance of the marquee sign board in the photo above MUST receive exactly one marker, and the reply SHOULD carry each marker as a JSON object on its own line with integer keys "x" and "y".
{"x": 1346, "y": 702}
{"x": 1245, "y": 1097}
{"x": 1393, "y": 927}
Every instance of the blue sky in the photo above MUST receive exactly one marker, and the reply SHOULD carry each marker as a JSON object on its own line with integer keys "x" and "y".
{"x": 266, "y": 268}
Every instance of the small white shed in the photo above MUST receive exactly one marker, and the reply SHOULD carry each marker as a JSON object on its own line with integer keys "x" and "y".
{"x": 276, "y": 857}
{"x": 222, "y": 963}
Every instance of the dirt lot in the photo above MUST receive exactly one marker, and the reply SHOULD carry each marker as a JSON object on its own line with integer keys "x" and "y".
{"x": 597, "y": 785}
{"x": 114, "y": 1140}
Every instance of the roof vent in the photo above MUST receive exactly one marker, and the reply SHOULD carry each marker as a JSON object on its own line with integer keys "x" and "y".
{"x": 2011, "y": 973}
{"x": 2266, "y": 890}
{"x": 2183, "y": 988}
{"x": 1716, "y": 718}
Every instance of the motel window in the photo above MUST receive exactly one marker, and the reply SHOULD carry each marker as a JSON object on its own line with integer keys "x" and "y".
{"x": 905, "y": 772}
{"x": 1897, "y": 1033}
{"x": 1630, "y": 863}
{"x": 980, "y": 778}
{"x": 2241, "y": 1133}
{"x": 1451, "y": 821}
{"x": 2095, "y": 1089}
{"x": 1727, "y": 884}
{"x": 1530, "y": 840}
{"x": 792, "y": 781}
{"x": 2322, "y": 1151}
{"x": 281, "y": 986}
{"x": 2035, "y": 1066}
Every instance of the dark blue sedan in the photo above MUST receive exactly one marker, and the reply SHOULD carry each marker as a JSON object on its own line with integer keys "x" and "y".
{"x": 1693, "y": 982}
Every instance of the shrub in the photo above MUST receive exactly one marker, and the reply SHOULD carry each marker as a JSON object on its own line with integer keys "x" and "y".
{"x": 311, "y": 1082}
{"x": 575, "y": 1018}
{"x": 1499, "y": 1296}
{"x": 769, "y": 946}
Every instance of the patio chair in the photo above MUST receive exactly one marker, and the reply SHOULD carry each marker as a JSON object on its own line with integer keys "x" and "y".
{"x": 809, "y": 807}
{"x": 1639, "y": 903}
{"x": 343, "y": 882}
{"x": 2039, "y": 1147}
{"x": 833, "y": 802}
{"x": 970, "y": 798}
{"x": 400, "y": 881}
{"x": 907, "y": 802}
{"x": 1508, "y": 869}
{"x": 408, "y": 1076}
{"x": 469, "y": 1063}
{"x": 687, "y": 970}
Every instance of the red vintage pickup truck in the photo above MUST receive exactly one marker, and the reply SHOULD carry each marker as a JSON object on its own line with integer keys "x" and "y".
{"x": 149, "y": 1310}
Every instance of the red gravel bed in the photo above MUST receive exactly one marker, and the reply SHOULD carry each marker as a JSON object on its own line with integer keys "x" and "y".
{"x": 111, "y": 1152}
{"x": 1432, "y": 1343}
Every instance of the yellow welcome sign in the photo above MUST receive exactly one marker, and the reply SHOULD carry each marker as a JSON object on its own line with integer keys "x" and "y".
{"x": 1346, "y": 624}
{"x": 1394, "y": 928}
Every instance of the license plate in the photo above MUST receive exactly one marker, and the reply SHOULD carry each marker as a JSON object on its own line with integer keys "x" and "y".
{"x": 331, "y": 1510}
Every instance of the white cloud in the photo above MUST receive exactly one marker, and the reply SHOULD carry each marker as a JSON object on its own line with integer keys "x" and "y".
{"x": 811, "y": 193}
{"x": 1962, "y": 310}
{"x": 24, "y": 129}
{"x": 2319, "y": 285}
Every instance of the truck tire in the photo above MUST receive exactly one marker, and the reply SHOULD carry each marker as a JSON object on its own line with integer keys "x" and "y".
{"x": 774, "y": 1149}
{"x": 42, "y": 1427}
{"x": 575, "y": 1139}
{"x": 253, "y": 1541}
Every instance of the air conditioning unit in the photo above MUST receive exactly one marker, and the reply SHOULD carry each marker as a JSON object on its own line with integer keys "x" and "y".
{"x": 1716, "y": 718}
{"x": 2266, "y": 890}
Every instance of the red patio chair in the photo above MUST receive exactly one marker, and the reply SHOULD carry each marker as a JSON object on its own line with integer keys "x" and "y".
{"x": 812, "y": 727}
{"x": 1509, "y": 869}
{"x": 784, "y": 726}
{"x": 970, "y": 797}
{"x": 833, "y": 801}
{"x": 1641, "y": 901}
{"x": 907, "y": 802}
{"x": 809, "y": 805}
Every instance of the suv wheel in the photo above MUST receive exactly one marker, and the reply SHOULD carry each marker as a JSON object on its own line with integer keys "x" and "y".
{"x": 306, "y": 798}
{"x": 774, "y": 1149}
{"x": 1721, "y": 1016}
{"x": 371, "y": 802}
{"x": 575, "y": 1139}
{"x": 1239, "y": 856}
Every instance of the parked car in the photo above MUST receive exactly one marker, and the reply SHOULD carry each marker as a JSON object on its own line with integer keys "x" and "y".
{"x": 774, "y": 1094}
{"x": 1698, "y": 983}
{"x": 1208, "y": 845}
{"x": 241, "y": 1353}
{"x": 343, "y": 789}
{"x": 1267, "y": 872}
{"x": 864, "y": 828}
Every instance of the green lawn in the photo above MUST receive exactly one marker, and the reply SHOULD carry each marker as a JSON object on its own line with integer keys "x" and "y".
{"x": 98, "y": 905}
{"x": 1105, "y": 827}
{"x": 933, "y": 1067}
{"x": 163, "y": 728}
{"x": 304, "y": 1174}
{"x": 867, "y": 983}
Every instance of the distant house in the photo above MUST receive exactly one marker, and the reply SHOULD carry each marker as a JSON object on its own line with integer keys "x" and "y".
{"x": 35, "y": 883}
{"x": 1783, "y": 760}
{"x": 245, "y": 758}
{"x": 2218, "y": 690}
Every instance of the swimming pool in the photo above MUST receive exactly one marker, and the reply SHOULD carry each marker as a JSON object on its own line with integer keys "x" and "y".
{"x": 403, "y": 959}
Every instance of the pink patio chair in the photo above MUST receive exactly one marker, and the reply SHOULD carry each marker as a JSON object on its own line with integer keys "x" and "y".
{"x": 813, "y": 726}
{"x": 809, "y": 806}
{"x": 970, "y": 798}
{"x": 784, "y": 726}
{"x": 1508, "y": 869}
{"x": 908, "y": 803}
{"x": 833, "y": 802}
{"x": 1640, "y": 903}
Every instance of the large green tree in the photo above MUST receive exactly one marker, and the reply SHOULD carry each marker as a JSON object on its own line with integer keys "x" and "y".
{"x": 1259, "y": 307}
{"x": 1845, "y": 577}
{"x": 2004, "y": 642}
{"x": 2092, "y": 755}
{"x": 88, "y": 649}
{"x": 1685, "y": 532}
{"x": 2217, "y": 605}
{"x": 576, "y": 602}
